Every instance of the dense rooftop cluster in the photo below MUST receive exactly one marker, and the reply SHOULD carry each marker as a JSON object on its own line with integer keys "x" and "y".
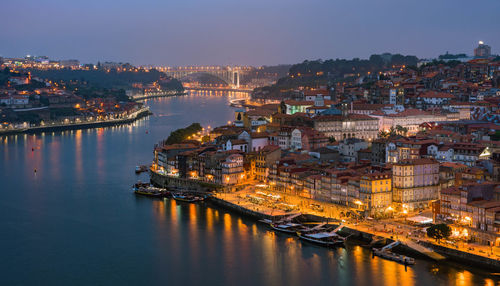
{"x": 385, "y": 144}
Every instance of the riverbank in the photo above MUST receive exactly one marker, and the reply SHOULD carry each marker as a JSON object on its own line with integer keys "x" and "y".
{"x": 157, "y": 95}
{"x": 362, "y": 234}
{"x": 244, "y": 202}
{"x": 141, "y": 113}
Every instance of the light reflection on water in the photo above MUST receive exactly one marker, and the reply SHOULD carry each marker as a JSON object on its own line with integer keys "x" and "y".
{"x": 75, "y": 221}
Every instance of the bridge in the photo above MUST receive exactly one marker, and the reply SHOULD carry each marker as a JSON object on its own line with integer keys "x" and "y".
{"x": 230, "y": 75}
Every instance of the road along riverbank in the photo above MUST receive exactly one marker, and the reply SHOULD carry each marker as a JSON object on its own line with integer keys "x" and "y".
{"x": 141, "y": 113}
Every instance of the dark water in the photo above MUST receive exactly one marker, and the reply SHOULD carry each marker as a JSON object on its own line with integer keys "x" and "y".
{"x": 76, "y": 222}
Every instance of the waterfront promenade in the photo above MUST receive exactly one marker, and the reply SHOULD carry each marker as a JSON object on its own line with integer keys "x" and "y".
{"x": 392, "y": 229}
{"x": 140, "y": 113}
{"x": 149, "y": 95}
{"x": 261, "y": 202}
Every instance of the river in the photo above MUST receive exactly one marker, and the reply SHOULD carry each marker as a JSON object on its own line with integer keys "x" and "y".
{"x": 75, "y": 220}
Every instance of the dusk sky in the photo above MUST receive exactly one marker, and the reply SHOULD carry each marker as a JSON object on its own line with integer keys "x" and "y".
{"x": 258, "y": 32}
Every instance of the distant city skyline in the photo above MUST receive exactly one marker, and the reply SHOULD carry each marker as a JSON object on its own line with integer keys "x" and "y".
{"x": 223, "y": 32}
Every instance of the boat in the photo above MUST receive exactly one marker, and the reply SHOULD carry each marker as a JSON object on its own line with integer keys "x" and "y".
{"x": 316, "y": 228}
{"x": 322, "y": 238}
{"x": 149, "y": 192}
{"x": 140, "y": 184}
{"x": 287, "y": 227}
{"x": 146, "y": 189}
{"x": 140, "y": 168}
{"x": 385, "y": 252}
{"x": 187, "y": 198}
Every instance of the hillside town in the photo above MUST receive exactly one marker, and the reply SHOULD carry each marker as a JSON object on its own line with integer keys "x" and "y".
{"x": 39, "y": 94}
{"x": 415, "y": 146}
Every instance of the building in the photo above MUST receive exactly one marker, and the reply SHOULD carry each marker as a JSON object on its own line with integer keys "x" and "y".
{"x": 285, "y": 137}
{"x": 317, "y": 105}
{"x": 411, "y": 119}
{"x": 415, "y": 183}
{"x": 341, "y": 127}
{"x": 435, "y": 99}
{"x": 14, "y": 100}
{"x": 469, "y": 153}
{"x": 305, "y": 138}
{"x": 69, "y": 64}
{"x": 265, "y": 158}
{"x": 375, "y": 192}
{"x": 482, "y": 50}
{"x": 232, "y": 170}
{"x": 349, "y": 148}
{"x": 378, "y": 156}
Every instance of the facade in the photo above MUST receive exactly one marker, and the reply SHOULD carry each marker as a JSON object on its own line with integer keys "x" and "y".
{"x": 307, "y": 139}
{"x": 232, "y": 170}
{"x": 435, "y": 99}
{"x": 378, "y": 156}
{"x": 285, "y": 137}
{"x": 482, "y": 50}
{"x": 375, "y": 192}
{"x": 341, "y": 127}
{"x": 349, "y": 148}
{"x": 265, "y": 158}
{"x": 415, "y": 183}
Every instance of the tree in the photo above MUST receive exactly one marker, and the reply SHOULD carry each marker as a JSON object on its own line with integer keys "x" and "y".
{"x": 383, "y": 134}
{"x": 182, "y": 134}
{"x": 400, "y": 130}
{"x": 439, "y": 231}
{"x": 392, "y": 131}
{"x": 331, "y": 139}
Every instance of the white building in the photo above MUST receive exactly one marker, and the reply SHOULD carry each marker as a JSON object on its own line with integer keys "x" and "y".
{"x": 349, "y": 148}
{"x": 349, "y": 126}
{"x": 442, "y": 153}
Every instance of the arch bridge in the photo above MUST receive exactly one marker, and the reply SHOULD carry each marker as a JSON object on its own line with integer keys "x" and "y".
{"x": 231, "y": 76}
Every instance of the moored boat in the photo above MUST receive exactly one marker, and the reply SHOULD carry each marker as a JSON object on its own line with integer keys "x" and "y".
{"x": 394, "y": 256}
{"x": 146, "y": 189}
{"x": 140, "y": 168}
{"x": 187, "y": 198}
{"x": 385, "y": 252}
{"x": 322, "y": 238}
{"x": 149, "y": 192}
{"x": 140, "y": 184}
{"x": 287, "y": 227}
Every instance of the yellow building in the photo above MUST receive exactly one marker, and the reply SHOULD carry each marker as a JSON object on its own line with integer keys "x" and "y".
{"x": 375, "y": 192}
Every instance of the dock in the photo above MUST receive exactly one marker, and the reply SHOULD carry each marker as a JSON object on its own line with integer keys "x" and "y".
{"x": 430, "y": 253}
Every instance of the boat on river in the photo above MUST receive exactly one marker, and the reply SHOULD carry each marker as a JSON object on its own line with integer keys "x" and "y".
{"x": 141, "y": 168}
{"x": 385, "y": 252}
{"x": 187, "y": 198}
{"x": 287, "y": 227}
{"x": 149, "y": 193}
{"x": 319, "y": 236}
{"x": 146, "y": 189}
{"x": 322, "y": 238}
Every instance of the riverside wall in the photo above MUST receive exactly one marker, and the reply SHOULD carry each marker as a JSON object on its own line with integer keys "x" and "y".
{"x": 466, "y": 257}
{"x": 39, "y": 129}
